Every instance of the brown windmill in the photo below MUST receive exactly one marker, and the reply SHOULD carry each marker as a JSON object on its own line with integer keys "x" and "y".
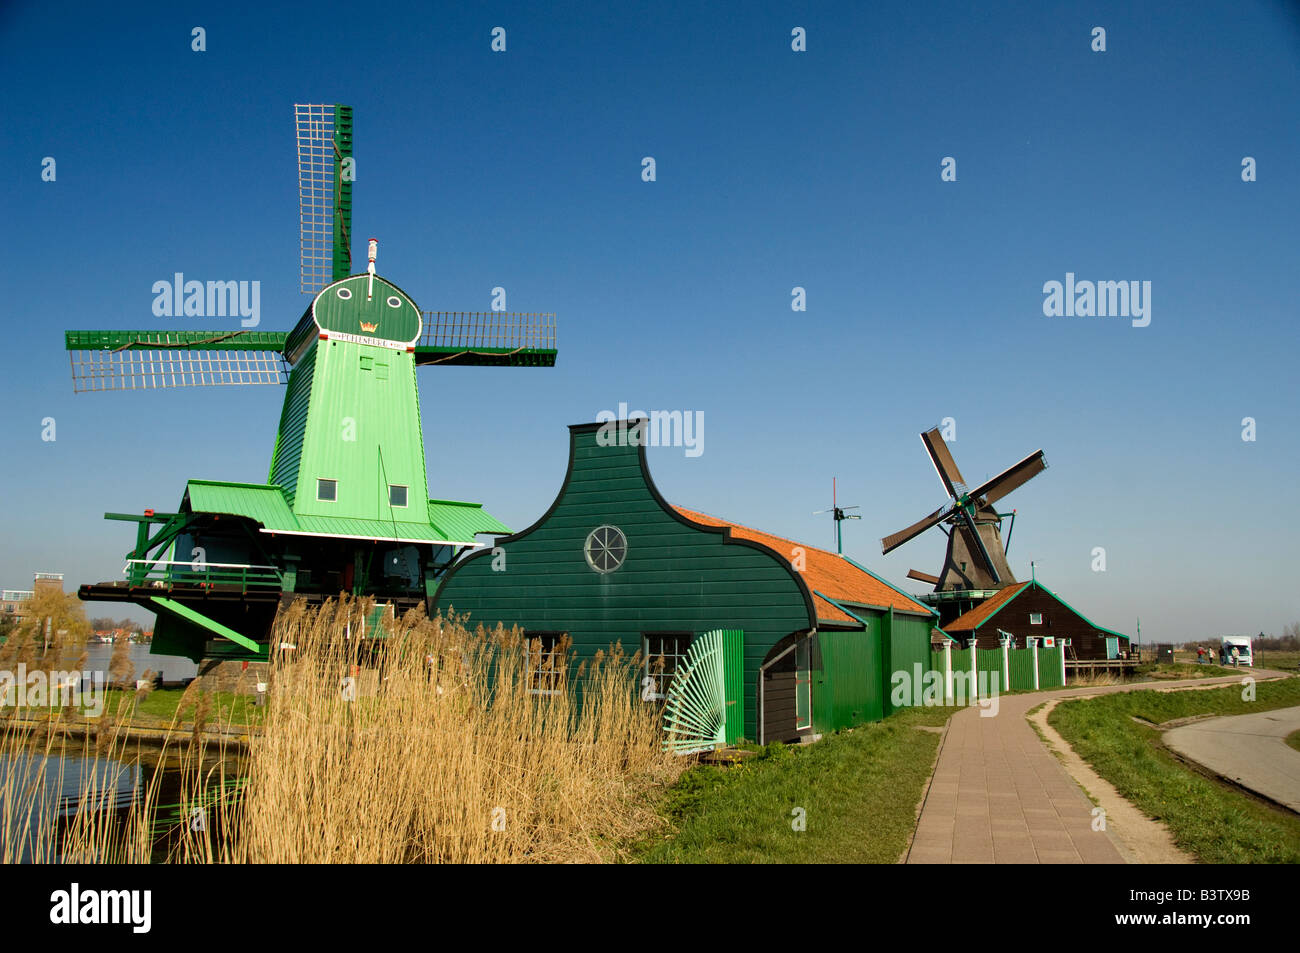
{"x": 976, "y": 563}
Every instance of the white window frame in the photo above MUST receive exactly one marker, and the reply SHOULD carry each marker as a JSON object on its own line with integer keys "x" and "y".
{"x": 1035, "y": 618}
{"x": 586, "y": 548}
{"x": 399, "y": 486}
{"x": 664, "y": 678}
{"x": 321, "y": 499}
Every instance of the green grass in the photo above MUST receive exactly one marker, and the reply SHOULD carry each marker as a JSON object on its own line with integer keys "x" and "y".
{"x": 1212, "y": 821}
{"x": 159, "y": 707}
{"x": 1179, "y": 670}
{"x": 1279, "y": 661}
{"x": 859, "y": 791}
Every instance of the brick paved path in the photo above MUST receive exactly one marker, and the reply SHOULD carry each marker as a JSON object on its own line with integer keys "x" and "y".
{"x": 998, "y": 796}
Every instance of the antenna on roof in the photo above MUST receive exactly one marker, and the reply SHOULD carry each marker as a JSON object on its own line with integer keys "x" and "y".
{"x": 840, "y": 516}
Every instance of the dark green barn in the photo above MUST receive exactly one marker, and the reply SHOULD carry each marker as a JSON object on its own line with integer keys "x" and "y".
{"x": 812, "y": 636}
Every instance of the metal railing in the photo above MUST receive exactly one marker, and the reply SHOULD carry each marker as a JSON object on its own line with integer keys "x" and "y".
{"x": 144, "y": 572}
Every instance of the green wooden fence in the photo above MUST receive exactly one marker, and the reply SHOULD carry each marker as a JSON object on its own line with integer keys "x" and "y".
{"x": 990, "y": 660}
{"x": 1021, "y": 663}
{"x": 1049, "y": 668}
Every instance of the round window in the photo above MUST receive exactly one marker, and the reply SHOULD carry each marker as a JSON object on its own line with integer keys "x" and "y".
{"x": 394, "y": 301}
{"x": 344, "y": 293}
{"x": 606, "y": 548}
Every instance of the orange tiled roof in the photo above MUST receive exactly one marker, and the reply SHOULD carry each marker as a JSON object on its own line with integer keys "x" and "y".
{"x": 823, "y": 571}
{"x": 972, "y": 620}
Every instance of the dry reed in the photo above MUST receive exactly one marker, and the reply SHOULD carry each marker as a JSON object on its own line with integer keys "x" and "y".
{"x": 432, "y": 744}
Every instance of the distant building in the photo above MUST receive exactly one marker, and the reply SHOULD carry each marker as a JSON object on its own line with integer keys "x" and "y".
{"x": 12, "y": 601}
{"x": 1030, "y": 609}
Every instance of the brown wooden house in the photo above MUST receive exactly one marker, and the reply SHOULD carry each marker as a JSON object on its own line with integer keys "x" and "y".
{"x": 1029, "y": 609}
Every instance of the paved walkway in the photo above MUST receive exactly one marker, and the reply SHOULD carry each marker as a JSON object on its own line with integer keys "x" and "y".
{"x": 1247, "y": 749}
{"x": 998, "y": 796}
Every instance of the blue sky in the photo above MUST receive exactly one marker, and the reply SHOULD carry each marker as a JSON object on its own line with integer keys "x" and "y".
{"x": 775, "y": 169}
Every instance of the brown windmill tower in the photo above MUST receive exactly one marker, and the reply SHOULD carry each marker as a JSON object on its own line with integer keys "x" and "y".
{"x": 975, "y": 567}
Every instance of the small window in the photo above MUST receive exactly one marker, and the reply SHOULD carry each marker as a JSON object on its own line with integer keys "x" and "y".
{"x": 396, "y": 495}
{"x": 605, "y": 549}
{"x": 381, "y": 371}
{"x": 1035, "y": 618}
{"x": 664, "y": 654}
{"x": 394, "y": 301}
{"x": 327, "y": 490}
{"x": 344, "y": 293}
{"x": 544, "y": 662}
{"x": 367, "y": 362}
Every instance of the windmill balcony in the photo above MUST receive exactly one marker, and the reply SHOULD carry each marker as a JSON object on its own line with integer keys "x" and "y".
{"x": 167, "y": 574}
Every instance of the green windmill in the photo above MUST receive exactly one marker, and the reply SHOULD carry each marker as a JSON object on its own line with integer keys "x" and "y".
{"x": 345, "y": 506}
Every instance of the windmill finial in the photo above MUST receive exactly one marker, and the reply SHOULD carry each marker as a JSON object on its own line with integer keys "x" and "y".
{"x": 374, "y": 250}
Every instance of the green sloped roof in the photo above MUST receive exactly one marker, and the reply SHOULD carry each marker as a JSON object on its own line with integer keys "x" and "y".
{"x": 450, "y": 521}
{"x": 464, "y": 520}
{"x": 265, "y": 504}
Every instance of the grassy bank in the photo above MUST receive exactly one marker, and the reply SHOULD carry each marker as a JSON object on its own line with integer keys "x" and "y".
{"x": 1212, "y": 821}
{"x": 858, "y": 789}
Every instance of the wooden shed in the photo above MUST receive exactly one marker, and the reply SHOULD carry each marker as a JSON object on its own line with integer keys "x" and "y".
{"x": 813, "y": 636}
{"x": 1031, "y": 609}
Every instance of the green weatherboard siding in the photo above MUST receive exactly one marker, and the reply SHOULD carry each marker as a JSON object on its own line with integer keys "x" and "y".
{"x": 352, "y": 413}
{"x": 677, "y": 576}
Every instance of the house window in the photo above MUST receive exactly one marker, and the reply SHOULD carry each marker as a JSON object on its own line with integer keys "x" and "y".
{"x": 367, "y": 362}
{"x": 381, "y": 371}
{"x": 396, "y": 495}
{"x": 664, "y": 654}
{"x": 327, "y": 491}
{"x": 1035, "y": 618}
{"x": 606, "y": 548}
{"x": 544, "y": 662}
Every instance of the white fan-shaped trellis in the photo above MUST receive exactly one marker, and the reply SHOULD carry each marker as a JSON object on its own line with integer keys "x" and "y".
{"x": 695, "y": 709}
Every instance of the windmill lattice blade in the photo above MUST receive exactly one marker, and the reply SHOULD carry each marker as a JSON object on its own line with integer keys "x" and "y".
{"x": 318, "y": 194}
{"x": 922, "y": 577}
{"x": 943, "y": 462}
{"x": 100, "y": 370}
{"x": 890, "y": 543}
{"x": 1010, "y": 478}
{"x": 976, "y": 543}
{"x": 487, "y": 337}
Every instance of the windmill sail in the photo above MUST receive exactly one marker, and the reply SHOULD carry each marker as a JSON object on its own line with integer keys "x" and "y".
{"x": 487, "y": 338}
{"x": 148, "y": 360}
{"x": 324, "y": 193}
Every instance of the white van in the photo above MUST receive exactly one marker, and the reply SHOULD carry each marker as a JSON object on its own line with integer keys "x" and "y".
{"x": 1239, "y": 642}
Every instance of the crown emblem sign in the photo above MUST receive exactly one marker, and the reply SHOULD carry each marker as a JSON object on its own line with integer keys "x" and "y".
{"x": 368, "y": 327}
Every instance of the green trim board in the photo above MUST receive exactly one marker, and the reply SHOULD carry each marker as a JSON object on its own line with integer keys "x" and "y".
{"x": 156, "y": 340}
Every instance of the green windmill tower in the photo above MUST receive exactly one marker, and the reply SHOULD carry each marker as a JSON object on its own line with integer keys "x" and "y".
{"x": 345, "y": 506}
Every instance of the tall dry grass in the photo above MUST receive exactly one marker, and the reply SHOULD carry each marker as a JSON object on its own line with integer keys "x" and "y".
{"x": 430, "y": 745}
